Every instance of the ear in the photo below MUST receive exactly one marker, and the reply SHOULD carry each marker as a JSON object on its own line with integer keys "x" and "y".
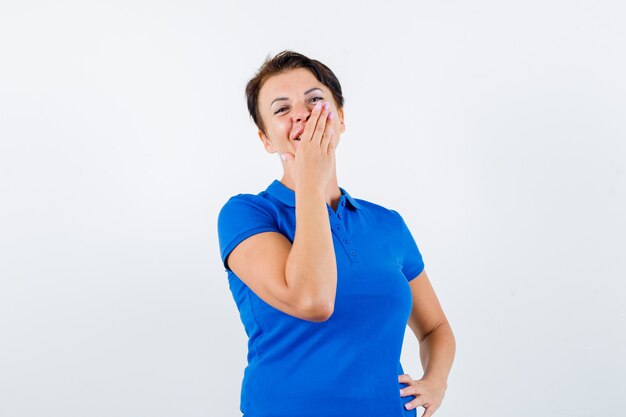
{"x": 342, "y": 125}
{"x": 266, "y": 143}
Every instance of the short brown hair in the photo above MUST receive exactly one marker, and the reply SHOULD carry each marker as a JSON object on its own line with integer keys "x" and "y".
{"x": 281, "y": 62}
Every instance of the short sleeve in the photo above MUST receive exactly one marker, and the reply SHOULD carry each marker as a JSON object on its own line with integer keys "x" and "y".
{"x": 240, "y": 218}
{"x": 412, "y": 262}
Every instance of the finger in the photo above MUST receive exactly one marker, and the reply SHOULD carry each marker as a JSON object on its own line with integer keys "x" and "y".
{"x": 328, "y": 136}
{"x": 413, "y": 404}
{"x": 328, "y": 140}
{"x": 429, "y": 409}
{"x": 321, "y": 124}
{"x": 409, "y": 390}
{"x": 309, "y": 128}
{"x": 428, "y": 412}
{"x": 406, "y": 378}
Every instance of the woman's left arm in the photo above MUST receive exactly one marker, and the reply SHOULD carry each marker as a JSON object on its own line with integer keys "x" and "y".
{"x": 437, "y": 347}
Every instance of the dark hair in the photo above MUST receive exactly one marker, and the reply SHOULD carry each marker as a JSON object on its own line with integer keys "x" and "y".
{"x": 284, "y": 61}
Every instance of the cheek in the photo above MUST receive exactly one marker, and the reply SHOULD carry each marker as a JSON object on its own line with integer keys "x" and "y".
{"x": 275, "y": 129}
{"x": 282, "y": 127}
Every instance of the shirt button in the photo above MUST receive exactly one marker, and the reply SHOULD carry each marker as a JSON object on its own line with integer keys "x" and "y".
{"x": 339, "y": 215}
{"x": 353, "y": 253}
{"x": 346, "y": 240}
{"x": 337, "y": 226}
{"x": 343, "y": 203}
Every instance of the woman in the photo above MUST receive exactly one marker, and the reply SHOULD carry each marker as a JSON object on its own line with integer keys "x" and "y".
{"x": 325, "y": 304}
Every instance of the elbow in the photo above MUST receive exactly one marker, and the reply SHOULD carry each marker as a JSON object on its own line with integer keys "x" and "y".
{"x": 319, "y": 312}
{"x": 320, "y": 317}
{"x": 323, "y": 315}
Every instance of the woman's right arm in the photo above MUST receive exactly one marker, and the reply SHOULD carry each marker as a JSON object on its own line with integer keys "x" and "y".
{"x": 298, "y": 279}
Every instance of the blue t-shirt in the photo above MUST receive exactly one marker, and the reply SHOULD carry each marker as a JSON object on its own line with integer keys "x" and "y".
{"x": 349, "y": 364}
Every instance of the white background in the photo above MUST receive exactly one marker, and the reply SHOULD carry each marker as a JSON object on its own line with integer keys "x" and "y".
{"x": 495, "y": 128}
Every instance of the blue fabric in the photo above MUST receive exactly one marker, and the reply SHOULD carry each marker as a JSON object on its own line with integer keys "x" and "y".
{"x": 349, "y": 364}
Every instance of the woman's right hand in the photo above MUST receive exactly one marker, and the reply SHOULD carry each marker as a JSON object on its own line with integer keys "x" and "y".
{"x": 314, "y": 161}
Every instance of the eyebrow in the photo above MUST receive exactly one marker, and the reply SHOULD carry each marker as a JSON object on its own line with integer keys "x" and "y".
{"x": 287, "y": 98}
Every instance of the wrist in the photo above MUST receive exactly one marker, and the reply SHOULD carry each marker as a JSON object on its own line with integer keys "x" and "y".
{"x": 437, "y": 380}
{"x": 307, "y": 189}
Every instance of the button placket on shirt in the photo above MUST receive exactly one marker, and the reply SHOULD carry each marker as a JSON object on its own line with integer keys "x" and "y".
{"x": 340, "y": 231}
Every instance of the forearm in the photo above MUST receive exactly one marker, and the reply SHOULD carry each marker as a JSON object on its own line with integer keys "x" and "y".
{"x": 437, "y": 351}
{"x": 311, "y": 268}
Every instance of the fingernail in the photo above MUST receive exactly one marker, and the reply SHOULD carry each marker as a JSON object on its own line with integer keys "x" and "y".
{"x": 318, "y": 106}
{"x": 330, "y": 115}
{"x": 326, "y": 105}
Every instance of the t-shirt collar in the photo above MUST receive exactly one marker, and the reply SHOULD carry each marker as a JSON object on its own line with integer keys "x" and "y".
{"x": 287, "y": 196}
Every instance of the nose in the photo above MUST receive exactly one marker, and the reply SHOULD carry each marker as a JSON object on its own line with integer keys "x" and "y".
{"x": 301, "y": 112}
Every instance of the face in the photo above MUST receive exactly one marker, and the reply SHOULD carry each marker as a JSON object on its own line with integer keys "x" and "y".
{"x": 285, "y": 102}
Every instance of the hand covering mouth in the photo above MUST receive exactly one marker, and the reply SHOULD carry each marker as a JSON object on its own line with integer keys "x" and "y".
{"x": 298, "y": 134}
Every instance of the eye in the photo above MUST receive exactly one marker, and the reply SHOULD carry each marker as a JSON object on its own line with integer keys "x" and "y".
{"x": 311, "y": 100}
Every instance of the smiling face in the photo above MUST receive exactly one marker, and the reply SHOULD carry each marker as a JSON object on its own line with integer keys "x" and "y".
{"x": 285, "y": 102}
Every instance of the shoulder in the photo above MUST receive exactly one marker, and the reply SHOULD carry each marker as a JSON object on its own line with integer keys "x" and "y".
{"x": 246, "y": 211}
{"x": 246, "y": 202}
{"x": 379, "y": 211}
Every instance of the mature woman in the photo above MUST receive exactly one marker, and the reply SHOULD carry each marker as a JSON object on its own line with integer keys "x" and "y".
{"x": 325, "y": 283}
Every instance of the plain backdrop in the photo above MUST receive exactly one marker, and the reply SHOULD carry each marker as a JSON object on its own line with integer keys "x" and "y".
{"x": 497, "y": 129}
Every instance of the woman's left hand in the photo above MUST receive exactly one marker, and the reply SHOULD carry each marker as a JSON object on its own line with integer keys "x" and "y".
{"x": 429, "y": 393}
